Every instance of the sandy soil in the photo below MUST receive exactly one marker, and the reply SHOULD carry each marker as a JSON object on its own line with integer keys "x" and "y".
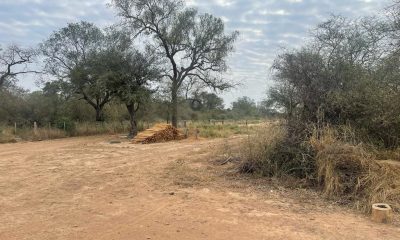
{"x": 86, "y": 188}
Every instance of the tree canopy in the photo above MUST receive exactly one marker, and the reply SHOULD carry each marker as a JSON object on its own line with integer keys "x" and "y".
{"x": 191, "y": 44}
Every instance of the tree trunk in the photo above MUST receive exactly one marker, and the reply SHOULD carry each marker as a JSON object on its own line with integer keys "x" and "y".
{"x": 132, "y": 119}
{"x": 2, "y": 80}
{"x": 99, "y": 114}
{"x": 174, "y": 112}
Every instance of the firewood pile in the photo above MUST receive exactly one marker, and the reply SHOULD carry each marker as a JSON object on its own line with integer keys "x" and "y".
{"x": 158, "y": 133}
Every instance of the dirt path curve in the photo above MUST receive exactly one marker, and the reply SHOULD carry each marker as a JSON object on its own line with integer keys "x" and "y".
{"x": 86, "y": 188}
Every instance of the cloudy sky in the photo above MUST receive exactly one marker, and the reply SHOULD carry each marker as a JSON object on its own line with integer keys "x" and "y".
{"x": 266, "y": 26}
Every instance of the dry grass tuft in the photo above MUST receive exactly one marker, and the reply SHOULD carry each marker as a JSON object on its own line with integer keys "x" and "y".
{"x": 331, "y": 159}
{"x": 256, "y": 150}
{"x": 351, "y": 174}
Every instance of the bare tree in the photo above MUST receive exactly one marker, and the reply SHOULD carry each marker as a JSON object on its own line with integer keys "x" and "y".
{"x": 14, "y": 61}
{"x": 193, "y": 45}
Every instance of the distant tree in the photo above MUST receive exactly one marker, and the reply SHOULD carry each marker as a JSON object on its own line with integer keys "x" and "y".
{"x": 244, "y": 107}
{"x": 72, "y": 55}
{"x": 192, "y": 45}
{"x": 266, "y": 109}
{"x": 14, "y": 61}
{"x": 206, "y": 101}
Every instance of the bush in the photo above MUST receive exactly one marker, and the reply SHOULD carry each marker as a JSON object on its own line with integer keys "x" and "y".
{"x": 272, "y": 152}
{"x": 67, "y": 125}
{"x": 331, "y": 159}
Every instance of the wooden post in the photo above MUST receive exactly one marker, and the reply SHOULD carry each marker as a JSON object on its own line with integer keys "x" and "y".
{"x": 186, "y": 133}
{"x": 15, "y": 128}
{"x": 35, "y": 128}
{"x": 197, "y": 133}
{"x": 64, "y": 127}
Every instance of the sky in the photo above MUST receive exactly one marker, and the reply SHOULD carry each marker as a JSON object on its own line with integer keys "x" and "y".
{"x": 266, "y": 28}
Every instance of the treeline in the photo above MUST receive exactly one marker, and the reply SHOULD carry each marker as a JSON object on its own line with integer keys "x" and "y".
{"x": 49, "y": 106}
{"x": 158, "y": 53}
{"x": 348, "y": 74}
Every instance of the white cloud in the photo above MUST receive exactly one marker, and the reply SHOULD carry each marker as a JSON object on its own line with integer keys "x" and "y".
{"x": 265, "y": 25}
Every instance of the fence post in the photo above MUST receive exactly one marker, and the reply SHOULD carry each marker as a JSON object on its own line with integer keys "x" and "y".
{"x": 35, "y": 128}
{"x": 15, "y": 128}
{"x": 197, "y": 133}
{"x": 64, "y": 127}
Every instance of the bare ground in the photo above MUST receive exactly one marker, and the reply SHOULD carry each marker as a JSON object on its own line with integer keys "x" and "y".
{"x": 86, "y": 188}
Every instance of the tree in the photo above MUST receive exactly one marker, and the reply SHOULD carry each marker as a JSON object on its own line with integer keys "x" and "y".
{"x": 192, "y": 45}
{"x": 14, "y": 61}
{"x": 244, "y": 107}
{"x": 303, "y": 81}
{"x": 130, "y": 81}
{"x": 73, "y": 55}
{"x": 206, "y": 101}
{"x": 282, "y": 96}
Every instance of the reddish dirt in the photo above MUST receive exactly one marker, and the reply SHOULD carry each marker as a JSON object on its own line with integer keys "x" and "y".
{"x": 86, "y": 188}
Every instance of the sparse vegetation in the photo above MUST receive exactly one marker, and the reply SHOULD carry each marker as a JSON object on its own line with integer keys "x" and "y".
{"x": 73, "y": 129}
{"x": 223, "y": 130}
{"x": 330, "y": 160}
{"x": 330, "y": 122}
{"x": 338, "y": 96}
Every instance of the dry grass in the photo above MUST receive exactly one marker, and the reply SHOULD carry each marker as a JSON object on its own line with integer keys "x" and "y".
{"x": 8, "y": 135}
{"x": 256, "y": 151}
{"x": 219, "y": 130}
{"x": 331, "y": 159}
{"x": 352, "y": 174}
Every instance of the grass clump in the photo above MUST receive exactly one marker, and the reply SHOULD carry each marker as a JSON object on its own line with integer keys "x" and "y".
{"x": 328, "y": 159}
{"x": 351, "y": 174}
{"x": 273, "y": 153}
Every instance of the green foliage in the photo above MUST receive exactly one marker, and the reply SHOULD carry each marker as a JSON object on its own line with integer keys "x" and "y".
{"x": 84, "y": 57}
{"x": 66, "y": 124}
{"x": 346, "y": 75}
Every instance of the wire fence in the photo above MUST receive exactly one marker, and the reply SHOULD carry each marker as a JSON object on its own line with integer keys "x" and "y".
{"x": 13, "y": 132}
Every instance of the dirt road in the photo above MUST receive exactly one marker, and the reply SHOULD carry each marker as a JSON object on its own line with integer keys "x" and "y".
{"x": 86, "y": 188}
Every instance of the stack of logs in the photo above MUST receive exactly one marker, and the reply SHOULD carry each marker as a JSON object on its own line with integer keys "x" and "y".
{"x": 159, "y": 133}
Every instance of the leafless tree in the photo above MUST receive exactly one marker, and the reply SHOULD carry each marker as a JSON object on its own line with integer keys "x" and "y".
{"x": 14, "y": 61}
